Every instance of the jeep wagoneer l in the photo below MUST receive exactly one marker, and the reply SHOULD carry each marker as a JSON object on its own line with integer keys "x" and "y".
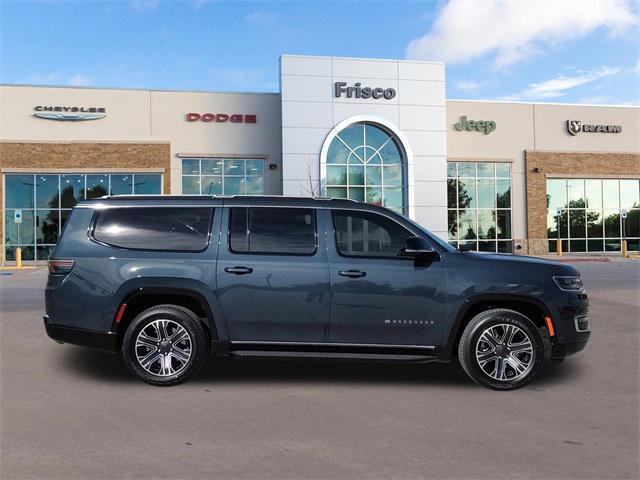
{"x": 169, "y": 281}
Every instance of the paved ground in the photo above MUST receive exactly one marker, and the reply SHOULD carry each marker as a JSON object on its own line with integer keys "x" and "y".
{"x": 67, "y": 412}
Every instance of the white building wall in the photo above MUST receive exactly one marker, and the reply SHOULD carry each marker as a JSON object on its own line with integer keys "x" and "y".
{"x": 417, "y": 114}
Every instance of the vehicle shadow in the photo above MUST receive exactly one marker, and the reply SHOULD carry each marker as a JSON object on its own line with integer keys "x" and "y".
{"x": 106, "y": 367}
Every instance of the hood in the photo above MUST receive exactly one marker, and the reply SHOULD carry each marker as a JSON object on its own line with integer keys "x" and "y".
{"x": 524, "y": 261}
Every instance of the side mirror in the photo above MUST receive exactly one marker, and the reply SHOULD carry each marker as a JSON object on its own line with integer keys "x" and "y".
{"x": 419, "y": 248}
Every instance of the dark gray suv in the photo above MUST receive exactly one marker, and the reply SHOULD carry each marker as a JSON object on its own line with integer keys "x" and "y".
{"x": 169, "y": 281}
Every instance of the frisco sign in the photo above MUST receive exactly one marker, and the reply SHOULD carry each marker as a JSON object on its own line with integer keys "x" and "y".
{"x": 358, "y": 91}
{"x": 574, "y": 127}
{"x": 69, "y": 114}
{"x": 221, "y": 117}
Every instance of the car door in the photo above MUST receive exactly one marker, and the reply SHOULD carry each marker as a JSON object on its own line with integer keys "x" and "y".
{"x": 380, "y": 296}
{"x": 273, "y": 279}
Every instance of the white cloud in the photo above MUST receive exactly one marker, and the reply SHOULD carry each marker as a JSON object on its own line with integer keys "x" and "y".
{"x": 42, "y": 79}
{"x": 513, "y": 31}
{"x": 145, "y": 5}
{"x": 78, "y": 80}
{"x": 261, "y": 18}
{"x": 558, "y": 86}
{"x": 468, "y": 86}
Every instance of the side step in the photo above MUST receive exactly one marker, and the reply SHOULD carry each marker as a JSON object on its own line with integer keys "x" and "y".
{"x": 309, "y": 355}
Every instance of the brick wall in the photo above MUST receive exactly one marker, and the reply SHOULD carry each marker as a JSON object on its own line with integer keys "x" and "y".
{"x": 570, "y": 165}
{"x": 82, "y": 157}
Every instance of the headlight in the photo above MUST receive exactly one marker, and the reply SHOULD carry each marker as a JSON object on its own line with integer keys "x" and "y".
{"x": 570, "y": 284}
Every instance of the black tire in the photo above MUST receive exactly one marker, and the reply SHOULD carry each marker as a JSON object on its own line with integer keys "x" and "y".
{"x": 168, "y": 364}
{"x": 504, "y": 373}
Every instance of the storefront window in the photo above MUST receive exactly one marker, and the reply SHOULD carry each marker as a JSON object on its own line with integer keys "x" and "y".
{"x": 222, "y": 176}
{"x": 479, "y": 201}
{"x": 46, "y": 200}
{"x": 366, "y": 163}
{"x": 587, "y": 214}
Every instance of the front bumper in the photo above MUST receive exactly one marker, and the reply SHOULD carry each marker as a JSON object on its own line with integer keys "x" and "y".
{"x": 105, "y": 341}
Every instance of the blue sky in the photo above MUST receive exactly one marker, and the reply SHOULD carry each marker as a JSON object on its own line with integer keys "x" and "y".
{"x": 557, "y": 50}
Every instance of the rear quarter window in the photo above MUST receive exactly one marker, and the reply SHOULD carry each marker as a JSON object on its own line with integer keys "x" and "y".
{"x": 154, "y": 228}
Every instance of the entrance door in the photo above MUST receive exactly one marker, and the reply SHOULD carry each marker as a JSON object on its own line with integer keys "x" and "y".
{"x": 272, "y": 278}
{"x": 379, "y": 295}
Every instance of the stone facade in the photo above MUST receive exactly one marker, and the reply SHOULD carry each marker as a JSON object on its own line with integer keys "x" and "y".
{"x": 83, "y": 157}
{"x": 541, "y": 165}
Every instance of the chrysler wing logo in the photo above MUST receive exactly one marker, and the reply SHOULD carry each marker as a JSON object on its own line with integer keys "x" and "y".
{"x": 70, "y": 114}
{"x": 574, "y": 126}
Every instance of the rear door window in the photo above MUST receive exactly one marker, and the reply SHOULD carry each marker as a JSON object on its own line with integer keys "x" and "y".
{"x": 155, "y": 228}
{"x": 270, "y": 230}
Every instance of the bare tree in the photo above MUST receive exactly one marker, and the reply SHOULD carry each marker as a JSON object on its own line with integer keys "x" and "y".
{"x": 310, "y": 186}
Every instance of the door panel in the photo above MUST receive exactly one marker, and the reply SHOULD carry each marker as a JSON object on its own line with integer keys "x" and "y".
{"x": 272, "y": 297}
{"x": 379, "y": 297}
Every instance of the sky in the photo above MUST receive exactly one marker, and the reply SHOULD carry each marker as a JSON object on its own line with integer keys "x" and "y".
{"x": 560, "y": 51}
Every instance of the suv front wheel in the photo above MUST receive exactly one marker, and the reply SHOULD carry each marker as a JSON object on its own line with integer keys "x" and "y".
{"x": 501, "y": 349}
{"x": 165, "y": 345}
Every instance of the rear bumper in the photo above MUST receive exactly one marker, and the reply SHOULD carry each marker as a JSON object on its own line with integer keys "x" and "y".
{"x": 106, "y": 341}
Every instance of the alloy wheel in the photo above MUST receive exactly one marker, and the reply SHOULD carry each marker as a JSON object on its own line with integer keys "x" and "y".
{"x": 505, "y": 352}
{"x": 163, "y": 348}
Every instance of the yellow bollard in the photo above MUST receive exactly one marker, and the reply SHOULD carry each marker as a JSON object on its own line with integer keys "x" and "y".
{"x": 623, "y": 250}
{"x": 18, "y": 257}
{"x": 559, "y": 247}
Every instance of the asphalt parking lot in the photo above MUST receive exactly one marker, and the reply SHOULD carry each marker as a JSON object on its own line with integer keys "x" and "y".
{"x": 67, "y": 412}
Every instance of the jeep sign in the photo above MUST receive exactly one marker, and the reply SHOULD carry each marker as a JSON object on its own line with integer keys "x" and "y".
{"x": 358, "y": 91}
{"x": 484, "y": 126}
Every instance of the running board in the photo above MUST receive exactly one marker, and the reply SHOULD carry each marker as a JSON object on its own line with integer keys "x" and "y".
{"x": 310, "y": 355}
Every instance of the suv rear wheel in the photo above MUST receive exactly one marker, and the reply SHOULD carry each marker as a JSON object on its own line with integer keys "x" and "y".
{"x": 501, "y": 349}
{"x": 165, "y": 345}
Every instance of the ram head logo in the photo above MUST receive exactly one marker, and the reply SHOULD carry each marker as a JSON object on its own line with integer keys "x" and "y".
{"x": 574, "y": 126}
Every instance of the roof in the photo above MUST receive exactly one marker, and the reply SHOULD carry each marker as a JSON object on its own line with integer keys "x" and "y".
{"x": 254, "y": 200}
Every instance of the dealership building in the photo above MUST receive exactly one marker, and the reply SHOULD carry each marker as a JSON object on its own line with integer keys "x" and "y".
{"x": 490, "y": 176}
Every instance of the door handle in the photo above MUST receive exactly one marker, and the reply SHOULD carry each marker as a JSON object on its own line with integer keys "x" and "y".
{"x": 352, "y": 273}
{"x": 238, "y": 270}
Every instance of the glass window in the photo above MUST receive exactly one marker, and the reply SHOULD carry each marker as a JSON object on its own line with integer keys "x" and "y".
{"x": 365, "y": 234}
{"x": 121, "y": 184}
{"x": 71, "y": 190}
{"x": 45, "y": 214}
{"x": 363, "y": 160}
{"x": 629, "y": 194}
{"x": 19, "y": 191}
{"x": 575, "y": 191}
{"x": 47, "y": 226}
{"x": 97, "y": 186}
{"x": 47, "y": 193}
{"x": 222, "y": 176}
{"x": 146, "y": 184}
{"x": 479, "y": 201}
{"x": 593, "y": 193}
{"x": 611, "y": 193}
{"x": 599, "y": 227}
{"x": 268, "y": 230}
{"x": 155, "y": 228}
{"x": 556, "y": 194}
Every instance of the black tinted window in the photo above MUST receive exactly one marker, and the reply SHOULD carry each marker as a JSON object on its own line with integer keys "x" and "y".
{"x": 273, "y": 230}
{"x": 364, "y": 234}
{"x": 154, "y": 228}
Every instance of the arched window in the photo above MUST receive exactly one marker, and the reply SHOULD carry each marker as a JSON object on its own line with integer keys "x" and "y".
{"x": 365, "y": 162}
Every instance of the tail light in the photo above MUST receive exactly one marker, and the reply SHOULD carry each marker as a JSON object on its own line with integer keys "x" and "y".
{"x": 60, "y": 267}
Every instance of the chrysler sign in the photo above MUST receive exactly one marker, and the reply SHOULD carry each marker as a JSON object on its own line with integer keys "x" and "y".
{"x": 574, "y": 127}
{"x": 69, "y": 113}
